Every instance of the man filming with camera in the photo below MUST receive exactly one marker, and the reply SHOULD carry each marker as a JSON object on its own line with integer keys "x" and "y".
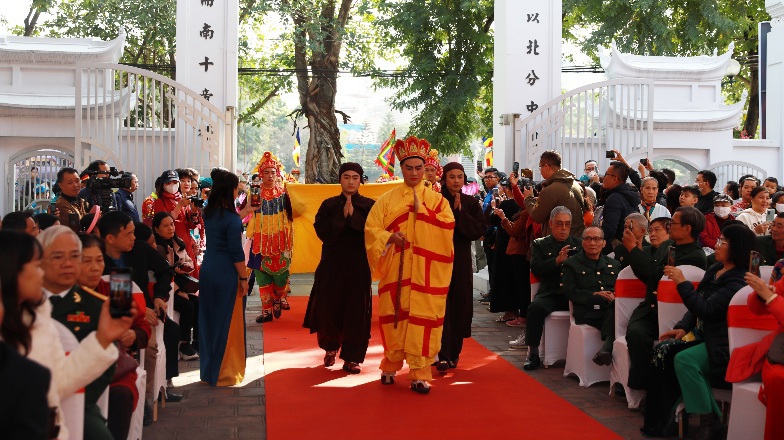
{"x": 98, "y": 186}
{"x": 124, "y": 197}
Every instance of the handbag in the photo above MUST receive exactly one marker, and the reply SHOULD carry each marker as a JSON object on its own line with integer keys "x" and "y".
{"x": 776, "y": 350}
{"x": 186, "y": 283}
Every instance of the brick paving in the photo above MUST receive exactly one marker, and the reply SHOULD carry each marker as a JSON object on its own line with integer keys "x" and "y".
{"x": 239, "y": 412}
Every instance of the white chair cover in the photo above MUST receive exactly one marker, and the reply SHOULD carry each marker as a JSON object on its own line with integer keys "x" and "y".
{"x": 629, "y": 292}
{"x": 671, "y": 308}
{"x": 747, "y": 414}
{"x": 555, "y": 335}
{"x": 137, "y": 419}
{"x": 584, "y": 342}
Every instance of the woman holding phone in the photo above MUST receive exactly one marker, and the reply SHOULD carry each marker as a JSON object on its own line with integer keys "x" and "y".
{"x": 699, "y": 340}
{"x": 756, "y": 216}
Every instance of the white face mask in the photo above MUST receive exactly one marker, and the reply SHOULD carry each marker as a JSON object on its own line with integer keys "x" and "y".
{"x": 171, "y": 188}
{"x": 722, "y": 211}
{"x": 779, "y": 207}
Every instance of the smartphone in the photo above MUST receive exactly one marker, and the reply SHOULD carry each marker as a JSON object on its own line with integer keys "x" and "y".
{"x": 478, "y": 166}
{"x": 495, "y": 193}
{"x": 671, "y": 256}
{"x": 771, "y": 216}
{"x": 644, "y": 161}
{"x": 572, "y": 251}
{"x": 755, "y": 260}
{"x": 73, "y": 222}
{"x": 255, "y": 195}
{"x": 610, "y": 154}
{"x": 120, "y": 294}
{"x": 516, "y": 168}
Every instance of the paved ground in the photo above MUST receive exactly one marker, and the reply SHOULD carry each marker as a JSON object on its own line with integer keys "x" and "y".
{"x": 224, "y": 413}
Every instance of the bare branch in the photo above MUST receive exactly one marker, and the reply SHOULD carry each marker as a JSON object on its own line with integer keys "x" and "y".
{"x": 346, "y": 117}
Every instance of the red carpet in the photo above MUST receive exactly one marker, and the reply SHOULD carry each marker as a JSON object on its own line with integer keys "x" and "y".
{"x": 484, "y": 397}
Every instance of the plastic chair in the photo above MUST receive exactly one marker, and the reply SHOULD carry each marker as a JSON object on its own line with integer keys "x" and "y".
{"x": 72, "y": 407}
{"x": 629, "y": 292}
{"x": 670, "y": 307}
{"x": 555, "y": 335}
{"x": 747, "y": 414}
{"x": 584, "y": 342}
{"x": 137, "y": 418}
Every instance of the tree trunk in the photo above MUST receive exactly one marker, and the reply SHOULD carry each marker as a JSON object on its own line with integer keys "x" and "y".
{"x": 752, "y": 114}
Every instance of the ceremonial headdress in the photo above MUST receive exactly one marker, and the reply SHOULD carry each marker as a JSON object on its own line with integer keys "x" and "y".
{"x": 350, "y": 166}
{"x": 268, "y": 160}
{"x": 432, "y": 160}
{"x": 411, "y": 147}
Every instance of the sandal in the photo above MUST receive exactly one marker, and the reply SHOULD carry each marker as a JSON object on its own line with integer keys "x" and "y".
{"x": 266, "y": 316}
{"x": 388, "y": 378}
{"x": 329, "y": 358}
{"x": 284, "y": 304}
{"x": 517, "y": 322}
{"x": 276, "y": 309}
{"x": 420, "y": 386}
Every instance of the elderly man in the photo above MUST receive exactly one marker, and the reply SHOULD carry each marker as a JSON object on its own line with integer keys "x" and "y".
{"x": 79, "y": 309}
{"x": 339, "y": 304}
{"x": 408, "y": 238}
{"x": 685, "y": 227}
{"x": 621, "y": 199}
{"x": 637, "y": 224}
{"x": 588, "y": 280}
{"x": 548, "y": 254}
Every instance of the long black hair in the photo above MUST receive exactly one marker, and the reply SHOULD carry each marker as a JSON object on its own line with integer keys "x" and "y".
{"x": 222, "y": 195}
{"x": 741, "y": 242}
{"x": 19, "y": 249}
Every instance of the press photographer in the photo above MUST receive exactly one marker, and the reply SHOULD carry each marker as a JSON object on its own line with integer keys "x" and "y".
{"x": 99, "y": 183}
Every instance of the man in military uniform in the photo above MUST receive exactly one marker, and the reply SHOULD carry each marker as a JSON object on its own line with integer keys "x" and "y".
{"x": 547, "y": 256}
{"x": 643, "y": 329}
{"x": 588, "y": 280}
{"x": 637, "y": 224}
{"x": 79, "y": 310}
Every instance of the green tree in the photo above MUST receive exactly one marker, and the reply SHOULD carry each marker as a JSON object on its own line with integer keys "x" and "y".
{"x": 674, "y": 27}
{"x": 446, "y": 51}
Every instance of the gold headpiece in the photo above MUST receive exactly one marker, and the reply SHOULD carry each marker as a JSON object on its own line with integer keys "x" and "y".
{"x": 411, "y": 147}
{"x": 268, "y": 160}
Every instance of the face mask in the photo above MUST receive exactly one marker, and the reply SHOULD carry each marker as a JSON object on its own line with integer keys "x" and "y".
{"x": 721, "y": 211}
{"x": 779, "y": 207}
{"x": 171, "y": 189}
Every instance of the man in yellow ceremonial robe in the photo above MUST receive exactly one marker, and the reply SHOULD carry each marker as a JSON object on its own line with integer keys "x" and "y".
{"x": 416, "y": 222}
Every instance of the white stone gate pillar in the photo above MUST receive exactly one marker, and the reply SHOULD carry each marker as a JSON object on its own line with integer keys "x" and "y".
{"x": 775, "y": 89}
{"x": 527, "y": 70}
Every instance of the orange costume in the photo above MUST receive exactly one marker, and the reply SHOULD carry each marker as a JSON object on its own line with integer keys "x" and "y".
{"x": 412, "y": 301}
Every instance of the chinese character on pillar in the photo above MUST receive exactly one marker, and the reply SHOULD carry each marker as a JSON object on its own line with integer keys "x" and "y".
{"x": 207, "y": 63}
{"x": 532, "y": 107}
{"x": 533, "y": 18}
{"x": 207, "y": 3}
{"x": 207, "y": 32}
{"x": 533, "y": 46}
{"x": 531, "y": 78}
{"x": 206, "y": 94}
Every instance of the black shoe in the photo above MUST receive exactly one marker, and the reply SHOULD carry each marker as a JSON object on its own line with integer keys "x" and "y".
{"x": 420, "y": 386}
{"x": 387, "y": 378}
{"x": 452, "y": 364}
{"x": 602, "y": 357}
{"x": 442, "y": 366}
{"x": 329, "y": 358}
{"x": 264, "y": 317}
{"x": 276, "y": 309}
{"x": 172, "y": 397}
{"x": 351, "y": 367}
{"x": 187, "y": 352}
{"x": 532, "y": 363}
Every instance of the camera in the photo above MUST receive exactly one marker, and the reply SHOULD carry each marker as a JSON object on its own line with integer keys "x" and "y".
{"x": 113, "y": 179}
{"x": 644, "y": 162}
{"x": 573, "y": 251}
{"x": 197, "y": 201}
{"x": 610, "y": 154}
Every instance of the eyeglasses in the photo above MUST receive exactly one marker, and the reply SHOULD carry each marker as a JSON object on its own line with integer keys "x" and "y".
{"x": 611, "y": 175}
{"x": 720, "y": 241}
{"x": 593, "y": 239}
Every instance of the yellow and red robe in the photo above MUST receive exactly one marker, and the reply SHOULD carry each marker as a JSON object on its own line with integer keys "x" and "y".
{"x": 427, "y": 270}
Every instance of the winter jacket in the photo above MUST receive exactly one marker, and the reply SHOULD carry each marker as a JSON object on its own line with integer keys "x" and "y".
{"x": 712, "y": 230}
{"x": 561, "y": 189}
{"x": 752, "y": 218}
{"x": 619, "y": 202}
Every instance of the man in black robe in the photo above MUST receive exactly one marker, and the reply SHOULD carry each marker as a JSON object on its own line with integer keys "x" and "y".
{"x": 470, "y": 225}
{"x": 339, "y": 307}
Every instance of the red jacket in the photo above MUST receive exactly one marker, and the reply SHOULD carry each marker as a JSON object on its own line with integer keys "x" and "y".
{"x": 712, "y": 231}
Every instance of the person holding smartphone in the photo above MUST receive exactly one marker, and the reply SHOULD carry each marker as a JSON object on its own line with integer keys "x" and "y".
{"x": 560, "y": 188}
{"x": 755, "y": 218}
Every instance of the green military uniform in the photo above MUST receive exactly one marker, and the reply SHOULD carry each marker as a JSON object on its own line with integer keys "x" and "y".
{"x": 767, "y": 248}
{"x": 643, "y": 326}
{"x": 549, "y": 298}
{"x": 621, "y": 254}
{"x": 580, "y": 278}
{"x": 79, "y": 310}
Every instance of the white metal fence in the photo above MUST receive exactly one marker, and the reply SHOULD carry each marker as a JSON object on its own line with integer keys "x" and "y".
{"x": 583, "y": 123}
{"x": 144, "y": 123}
{"x": 726, "y": 171}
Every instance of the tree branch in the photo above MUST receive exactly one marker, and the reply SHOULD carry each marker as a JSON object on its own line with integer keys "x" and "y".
{"x": 746, "y": 82}
{"x": 258, "y": 105}
{"x": 346, "y": 117}
{"x": 488, "y": 23}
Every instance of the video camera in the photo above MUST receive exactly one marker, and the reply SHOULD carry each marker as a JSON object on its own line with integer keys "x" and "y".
{"x": 197, "y": 201}
{"x": 113, "y": 179}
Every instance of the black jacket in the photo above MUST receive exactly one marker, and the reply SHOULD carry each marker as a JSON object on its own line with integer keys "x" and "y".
{"x": 618, "y": 203}
{"x": 141, "y": 259}
{"x": 24, "y": 411}
{"x": 710, "y": 302}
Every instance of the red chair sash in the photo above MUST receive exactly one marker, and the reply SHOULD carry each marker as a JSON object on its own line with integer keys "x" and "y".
{"x": 629, "y": 288}
{"x": 740, "y": 316}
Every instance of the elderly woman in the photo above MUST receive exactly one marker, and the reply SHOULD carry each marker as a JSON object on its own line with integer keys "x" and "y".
{"x": 752, "y": 359}
{"x": 649, "y": 196}
{"x": 755, "y": 217}
{"x": 703, "y": 364}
